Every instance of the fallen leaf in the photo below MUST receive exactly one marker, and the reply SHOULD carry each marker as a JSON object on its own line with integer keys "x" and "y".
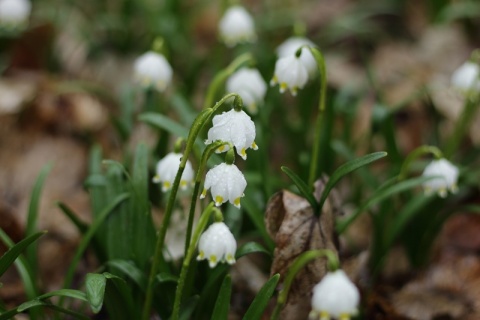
{"x": 291, "y": 223}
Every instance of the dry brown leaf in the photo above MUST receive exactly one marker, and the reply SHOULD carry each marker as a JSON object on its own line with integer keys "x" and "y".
{"x": 291, "y": 223}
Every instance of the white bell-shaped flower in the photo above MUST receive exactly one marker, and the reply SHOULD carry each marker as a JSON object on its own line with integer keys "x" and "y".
{"x": 444, "y": 177}
{"x": 153, "y": 70}
{"x": 335, "y": 296}
{"x": 217, "y": 244}
{"x": 236, "y": 26}
{"x": 235, "y": 127}
{"x": 249, "y": 84}
{"x": 226, "y": 182}
{"x": 290, "y": 73}
{"x": 467, "y": 77}
{"x": 167, "y": 170}
{"x": 290, "y": 46}
{"x": 14, "y": 12}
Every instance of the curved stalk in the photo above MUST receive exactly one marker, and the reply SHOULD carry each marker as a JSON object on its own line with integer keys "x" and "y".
{"x": 197, "y": 125}
{"x": 414, "y": 155}
{"x": 198, "y": 179}
{"x": 296, "y": 266}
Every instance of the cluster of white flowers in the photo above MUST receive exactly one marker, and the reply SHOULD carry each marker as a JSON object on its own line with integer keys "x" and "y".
{"x": 14, "y": 13}
{"x": 152, "y": 70}
{"x": 444, "y": 176}
{"x": 335, "y": 296}
{"x": 292, "y": 70}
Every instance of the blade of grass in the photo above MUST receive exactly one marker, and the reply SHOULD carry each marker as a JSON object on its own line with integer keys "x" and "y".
{"x": 256, "y": 309}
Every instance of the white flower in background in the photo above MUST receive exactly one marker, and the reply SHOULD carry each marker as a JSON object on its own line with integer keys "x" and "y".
{"x": 167, "y": 170}
{"x": 153, "y": 70}
{"x": 290, "y": 46}
{"x": 249, "y": 84}
{"x": 290, "y": 73}
{"x": 14, "y": 12}
{"x": 226, "y": 182}
{"x": 175, "y": 237}
{"x": 236, "y": 26}
{"x": 235, "y": 127}
{"x": 467, "y": 77}
{"x": 445, "y": 176}
{"x": 217, "y": 244}
{"x": 334, "y": 296}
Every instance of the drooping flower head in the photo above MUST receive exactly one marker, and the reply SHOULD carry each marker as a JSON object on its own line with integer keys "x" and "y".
{"x": 290, "y": 73}
{"x": 153, "y": 70}
{"x": 235, "y": 127}
{"x": 467, "y": 77}
{"x": 14, "y": 12}
{"x": 226, "y": 182}
{"x": 289, "y": 48}
{"x": 249, "y": 84}
{"x": 236, "y": 26}
{"x": 217, "y": 244}
{"x": 335, "y": 296}
{"x": 167, "y": 170}
{"x": 444, "y": 177}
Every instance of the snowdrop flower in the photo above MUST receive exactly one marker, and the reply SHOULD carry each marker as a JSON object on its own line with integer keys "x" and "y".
{"x": 217, "y": 244}
{"x": 235, "y": 127}
{"x": 467, "y": 77}
{"x": 236, "y": 26}
{"x": 335, "y": 296}
{"x": 249, "y": 84}
{"x": 167, "y": 170}
{"x": 227, "y": 183}
{"x": 14, "y": 12}
{"x": 290, "y": 46}
{"x": 445, "y": 176}
{"x": 153, "y": 70}
{"x": 290, "y": 73}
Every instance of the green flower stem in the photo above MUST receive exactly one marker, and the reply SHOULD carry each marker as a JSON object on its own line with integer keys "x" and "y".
{"x": 414, "y": 155}
{"x": 197, "y": 125}
{"x": 198, "y": 179}
{"x": 202, "y": 223}
{"x": 462, "y": 125}
{"x": 321, "y": 109}
{"x": 296, "y": 266}
{"x": 221, "y": 76}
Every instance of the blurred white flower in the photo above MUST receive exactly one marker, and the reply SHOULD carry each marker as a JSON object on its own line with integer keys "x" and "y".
{"x": 236, "y": 26}
{"x": 14, "y": 12}
{"x": 290, "y": 73}
{"x": 467, "y": 77}
{"x": 445, "y": 176}
{"x": 227, "y": 183}
{"x": 249, "y": 84}
{"x": 152, "y": 70}
{"x": 334, "y": 296}
{"x": 167, "y": 170}
{"x": 290, "y": 46}
{"x": 235, "y": 127}
{"x": 217, "y": 244}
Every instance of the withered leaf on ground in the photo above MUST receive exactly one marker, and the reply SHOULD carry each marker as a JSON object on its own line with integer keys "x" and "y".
{"x": 290, "y": 221}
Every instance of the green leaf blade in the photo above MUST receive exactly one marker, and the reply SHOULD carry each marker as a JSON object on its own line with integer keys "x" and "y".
{"x": 256, "y": 309}
{"x": 95, "y": 285}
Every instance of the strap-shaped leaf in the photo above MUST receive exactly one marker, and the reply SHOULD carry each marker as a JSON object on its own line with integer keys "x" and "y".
{"x": 131, "y": 271}
{"x": 346, "y": 169}
{"x": 388, "y": 189}
{"x": 251, "y": 247}
{"x": 256, "y": 309}
{"x": 222, "y": 305}
{"x": 11, "y": 255}
{"x": 302, "y": 187}
{"x": 163, "y": 122}
{"x": 81, "y": 226}
{"x": 95, "y": 285}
